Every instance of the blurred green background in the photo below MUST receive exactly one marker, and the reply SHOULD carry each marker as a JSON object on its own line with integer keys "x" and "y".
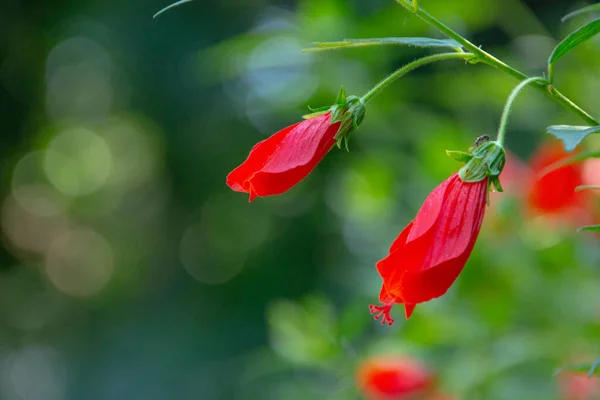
{"x": 129, "y": 270}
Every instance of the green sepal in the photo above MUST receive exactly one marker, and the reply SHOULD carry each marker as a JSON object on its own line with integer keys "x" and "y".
{"x": 341, "y": 97}
{"x": 350, "y": 117}
{"x": 495, "y": 180}
{"x": 349, "y": 111}
{"x": 488, "y": 161}
{"x": 316, "y": 113}
{"x": 460, "y": 156}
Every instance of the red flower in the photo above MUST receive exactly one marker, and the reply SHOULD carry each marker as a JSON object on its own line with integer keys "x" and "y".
{"x": 432, "y": 250}
{"x": 554, "y": 193}
{"x": 284, "y": 159}
{"x": 577, "y": 386}
{"x": 393, "y": 378}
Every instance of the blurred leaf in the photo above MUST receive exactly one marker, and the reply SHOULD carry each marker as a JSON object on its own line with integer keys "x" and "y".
{"x": 408, "y": 41}
{"x": 593, "y": 368}
{"x": 572, "y": 135}
{"x": 581, "y": 367}
{"x": 303, "y": 332}
{"x": 587, "y": 187}
{"x": 589, "y": 228}
{"x": 178, "y": 3}
{"x": 568, "y": 161}
{"x": 573, "y": 40}
{"x": 591, "y": 8}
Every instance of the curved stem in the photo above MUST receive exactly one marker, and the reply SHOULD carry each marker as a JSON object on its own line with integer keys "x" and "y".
{"x": 489, "y": 59}
{"x": 509, "y": 103}
{"x": 409, "y": 67}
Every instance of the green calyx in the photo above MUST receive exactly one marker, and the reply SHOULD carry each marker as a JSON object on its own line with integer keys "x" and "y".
{"x": 485, "y": 160}
{"x": 348, "y": 110}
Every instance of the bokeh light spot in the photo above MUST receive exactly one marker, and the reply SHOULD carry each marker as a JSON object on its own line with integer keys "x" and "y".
{"x": 80, "y": 263}
{"x": 33, "y": 373}
{"x": 28, "y": 231}
{"x": 78, "y": 162}
{"x": 78, "y": 78}
{"x": 207, "y": 264}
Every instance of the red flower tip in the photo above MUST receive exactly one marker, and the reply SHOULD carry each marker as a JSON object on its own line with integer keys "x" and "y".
{"x": 394, "y": 378}
{"x": 383, "y": 312}
{"x": 279, "y": 162}
{"x": 578, "y": 386}
{"x": 554, "y": 192}
{"x": 429, "y": 254}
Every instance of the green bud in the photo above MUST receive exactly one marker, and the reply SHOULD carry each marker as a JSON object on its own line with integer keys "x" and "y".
{"x": 487, "y": 161}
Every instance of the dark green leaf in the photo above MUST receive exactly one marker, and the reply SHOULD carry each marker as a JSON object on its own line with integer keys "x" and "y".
{"x": 178, "y": 3}
{"x": 589, "y": 228}
{"x": 572, "y": 135}
{"x": 408, "y": 41}
{"x": 574, "y": 39}
{"x": 593, "y": 7}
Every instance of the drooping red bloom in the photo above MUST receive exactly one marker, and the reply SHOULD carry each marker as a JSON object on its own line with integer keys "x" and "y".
{"x": 285, "y": 158}
{"x": 577, "y": 386}
{"x": 393, "y": 378}
{"x": 554, "y": 193}
{"x": 432, "y": 250}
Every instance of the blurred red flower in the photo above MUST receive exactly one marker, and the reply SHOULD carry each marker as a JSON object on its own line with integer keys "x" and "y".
{"x": 285, "y": 158}
{"x": 393, "y": 378}
{"x": 554, "y": 193}
{"x": 577, "y": 386}
{"x": 432, "y": 250}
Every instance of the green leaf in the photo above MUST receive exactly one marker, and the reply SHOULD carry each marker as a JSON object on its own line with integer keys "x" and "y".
{"x": 572, "y": 135}
{"x": 593, "y": 369}
{"x": 176, "y": 4}
{"x": 459, "y": 156}
{"x": 581, "y": 367}
{"x": 593, "y": 7}
{"x": 587, "y": 187}
{"x": 589, "y": 228}
{"x": 568, "y": 161}
{"x": 574, "y": 39}
{"x": 408, "y": 41}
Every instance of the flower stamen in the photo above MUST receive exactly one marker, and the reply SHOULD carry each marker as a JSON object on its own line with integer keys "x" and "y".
{"x": 383, "y": 312}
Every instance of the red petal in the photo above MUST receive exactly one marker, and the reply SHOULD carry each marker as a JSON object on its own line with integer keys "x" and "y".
{"x": 427, "y": 265}
{"x": 259, "y": 155}
{"x": 431, "y": 208}
{"x": 555, "y": 191}
{"x": 281, "y": 161}
{"x": 385, "y": 268}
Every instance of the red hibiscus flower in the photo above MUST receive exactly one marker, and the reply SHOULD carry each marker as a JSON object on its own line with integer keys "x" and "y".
{"x": 554, "y": 193}
{"x": 577, "y": 386}
{"x": 432, "y": 250}
{"x": 284, "y": 159}
{"x": 281, "y": 161}
{"x": 393, "y": 378}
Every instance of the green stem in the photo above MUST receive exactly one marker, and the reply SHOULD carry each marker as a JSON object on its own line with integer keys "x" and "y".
{"x": 509, "y": 103}
{"x": 489, "y": 59}
{"x": 409, "y": 67}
